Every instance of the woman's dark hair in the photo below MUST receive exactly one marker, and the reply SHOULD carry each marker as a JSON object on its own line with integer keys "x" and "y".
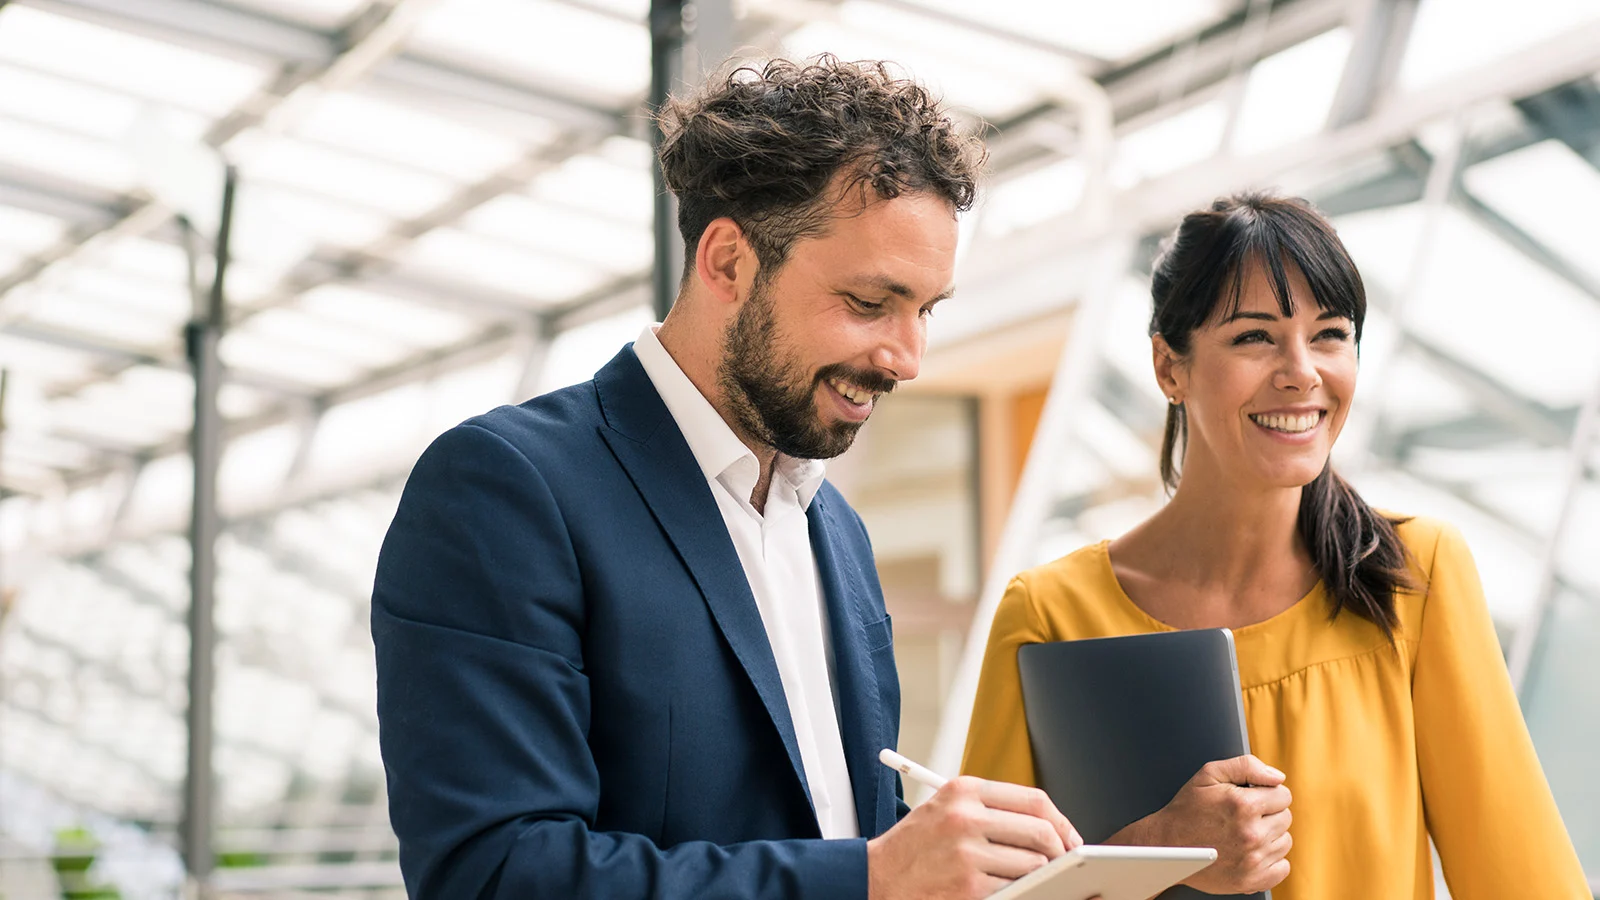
{"x": 762, "y": 145}
{"x": 1198, "y": 277}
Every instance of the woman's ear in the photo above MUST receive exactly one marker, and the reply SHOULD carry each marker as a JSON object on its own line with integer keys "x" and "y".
{"x": 724, "y": 261}
{"x": 1171, "y": 374}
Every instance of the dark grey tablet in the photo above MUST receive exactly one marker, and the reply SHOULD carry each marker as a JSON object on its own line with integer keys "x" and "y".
{"x": 1118, "y": 725}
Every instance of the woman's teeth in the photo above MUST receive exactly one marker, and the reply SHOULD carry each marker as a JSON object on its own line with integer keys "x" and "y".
{"x": 854, "y": 395}
{"x": 1289, "y": 424}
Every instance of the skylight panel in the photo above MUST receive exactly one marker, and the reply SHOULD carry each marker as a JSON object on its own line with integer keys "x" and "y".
{"x": 1549, "y": 192}
{"x": 414, "y": 324}
{"x": 9, "y": 261}
{"x": 275, "y": 227}
{"x": 564, "y": 233}
{"x": 577, "y": 353}
{"x": 1542, "y": 347}
{"x": 1414, "y": 393}
{"x": 168, "y": 302}
{"x": 1112, "y": 31}
{"x": 409, "y": 137}
{"x": 371, "y": 434}
{"x": 103, "y": 413}
{"x": 633, "y": 9}
{"x": 125, "y": 62}
{"x": 49, "y": 100}
{"x": 44, "y": 451}
{"x": 600, "y": 187}
{"x": 1453, "y": 36}
{"x": 1383, "y": 243}
{"x": 1026, "y": 200}
{"x": 65, "y": 155}
{"x": 320, "y": 170}
{"x": 578, "y": 52}
{"x": 1168, "y": 143}
{"x": 540, "y": 277}
{"x": 118, "y": 324}
{"x": 1506, "y": 563}
{"x": 1288, "y": 94}
{"x": 1578, "y": 560}
{"x": 25, "y": 231}
{"x": 247, "y": 351}
{"x": 330, "y": 337}
{"x": 145, "y": 258}
{"x": 254, "y": 465}
{"x": 458, "y": 395}
{"x": 325, "y": 15}
{"x": 238, "y": 401}
{"x": 995, "y": 84}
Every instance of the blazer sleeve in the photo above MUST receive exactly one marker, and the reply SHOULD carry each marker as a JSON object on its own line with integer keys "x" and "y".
{"x": 1488, "y": 806}
{"x": 997, "y": 738}
{"x": 478, "y": 615}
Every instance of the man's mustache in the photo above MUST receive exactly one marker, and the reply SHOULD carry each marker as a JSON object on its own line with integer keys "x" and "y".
{"x": 861, "y": 378}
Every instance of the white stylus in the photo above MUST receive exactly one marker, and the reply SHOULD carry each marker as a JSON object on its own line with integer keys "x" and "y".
{"x": 918, "y": 773}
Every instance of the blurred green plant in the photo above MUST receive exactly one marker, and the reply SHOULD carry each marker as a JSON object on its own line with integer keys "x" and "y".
{"x": 73, "y": 859}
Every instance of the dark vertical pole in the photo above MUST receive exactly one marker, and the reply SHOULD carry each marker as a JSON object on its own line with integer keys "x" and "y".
{"x": 202, "y": 336}
{"x": 666, "y": 66}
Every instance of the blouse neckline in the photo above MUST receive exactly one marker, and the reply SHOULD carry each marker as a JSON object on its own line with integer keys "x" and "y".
{"x": 1103, "y": 553}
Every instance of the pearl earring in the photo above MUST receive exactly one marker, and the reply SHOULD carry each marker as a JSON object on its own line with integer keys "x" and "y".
{"x": 1173, "y": 400}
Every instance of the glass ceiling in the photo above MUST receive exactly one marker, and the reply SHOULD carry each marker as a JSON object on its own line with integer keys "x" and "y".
{"x": 450, "y": 208}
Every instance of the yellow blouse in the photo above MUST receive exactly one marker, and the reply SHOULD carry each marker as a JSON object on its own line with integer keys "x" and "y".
{"x": 1382, "y": 744}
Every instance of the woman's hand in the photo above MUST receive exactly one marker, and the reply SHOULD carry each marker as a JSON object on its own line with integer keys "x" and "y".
{"x": 1239, "y": 807}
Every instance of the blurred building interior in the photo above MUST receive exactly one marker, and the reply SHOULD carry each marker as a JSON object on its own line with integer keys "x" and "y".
{"x": 445, "y": 205}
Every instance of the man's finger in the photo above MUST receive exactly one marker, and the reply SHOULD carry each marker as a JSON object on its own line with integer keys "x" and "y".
{"x": 1009, "y": 862}
{"x": 1030, "y": 802}
{"x": 1023, "y": 831}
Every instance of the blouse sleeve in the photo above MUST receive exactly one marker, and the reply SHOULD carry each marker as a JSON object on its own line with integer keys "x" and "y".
{"x": 1488, "y": 806}
{"x": 997, "y": 739}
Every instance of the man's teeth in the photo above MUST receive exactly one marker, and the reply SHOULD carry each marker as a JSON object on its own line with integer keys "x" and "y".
{"x": 1290, "y": 424}
{"x": 854, "y": 395}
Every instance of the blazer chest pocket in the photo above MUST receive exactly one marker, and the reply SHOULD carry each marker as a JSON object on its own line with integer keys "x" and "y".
{"x": 879, "y": 634}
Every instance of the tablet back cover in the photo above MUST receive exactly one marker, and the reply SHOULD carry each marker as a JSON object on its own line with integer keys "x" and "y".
{"x": 1118, "y": 725}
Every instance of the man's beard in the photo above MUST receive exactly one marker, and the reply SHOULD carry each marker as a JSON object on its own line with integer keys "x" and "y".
{"x": 771, "y": 397}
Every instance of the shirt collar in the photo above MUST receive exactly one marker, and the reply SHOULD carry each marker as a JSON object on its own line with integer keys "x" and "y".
{"x": 719, "y": 452}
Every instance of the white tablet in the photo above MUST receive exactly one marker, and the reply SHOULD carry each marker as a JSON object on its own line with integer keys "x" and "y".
{"x": 1112, "y": 873}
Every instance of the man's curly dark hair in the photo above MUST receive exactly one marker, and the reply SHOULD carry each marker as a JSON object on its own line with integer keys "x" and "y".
{"x": 762, "y": 146}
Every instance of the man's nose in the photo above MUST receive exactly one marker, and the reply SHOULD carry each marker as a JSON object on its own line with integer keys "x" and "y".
{"x": 899, "y": 351}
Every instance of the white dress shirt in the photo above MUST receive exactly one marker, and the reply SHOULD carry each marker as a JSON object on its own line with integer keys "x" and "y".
{"x": 775, "y": 550}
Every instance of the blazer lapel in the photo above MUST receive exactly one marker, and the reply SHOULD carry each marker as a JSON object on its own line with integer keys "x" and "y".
{"x": 852, "y": 664}
{"x": 651, "y": 448}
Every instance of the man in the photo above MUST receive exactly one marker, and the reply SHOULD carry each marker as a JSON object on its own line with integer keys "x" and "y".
{"x": 630, "y": 643}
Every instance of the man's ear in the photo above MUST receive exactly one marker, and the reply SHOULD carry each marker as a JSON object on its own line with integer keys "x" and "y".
{"x": 724, "y": 261}
{"x": 1171, "y": 374}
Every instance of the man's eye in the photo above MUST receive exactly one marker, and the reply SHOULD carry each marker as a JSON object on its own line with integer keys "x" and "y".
{"x": 864, "y": 305}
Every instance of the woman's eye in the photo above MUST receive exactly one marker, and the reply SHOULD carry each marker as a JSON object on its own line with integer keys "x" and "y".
{"x": 1337, "y": 334}
{"x": 1251, "y": 337}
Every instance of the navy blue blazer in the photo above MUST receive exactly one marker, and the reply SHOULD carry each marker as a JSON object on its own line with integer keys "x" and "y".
{"x": 576, "y": 695}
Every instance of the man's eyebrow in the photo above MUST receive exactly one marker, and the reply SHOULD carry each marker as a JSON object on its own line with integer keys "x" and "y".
{"x": 887, "y": 285}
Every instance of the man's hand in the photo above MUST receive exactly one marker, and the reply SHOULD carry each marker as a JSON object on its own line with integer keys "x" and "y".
{"x": 969, "y": 840}
{"x": 1238, "y": 806}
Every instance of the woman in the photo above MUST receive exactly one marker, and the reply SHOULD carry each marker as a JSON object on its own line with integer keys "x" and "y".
{"x": 1373, "y": 683}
